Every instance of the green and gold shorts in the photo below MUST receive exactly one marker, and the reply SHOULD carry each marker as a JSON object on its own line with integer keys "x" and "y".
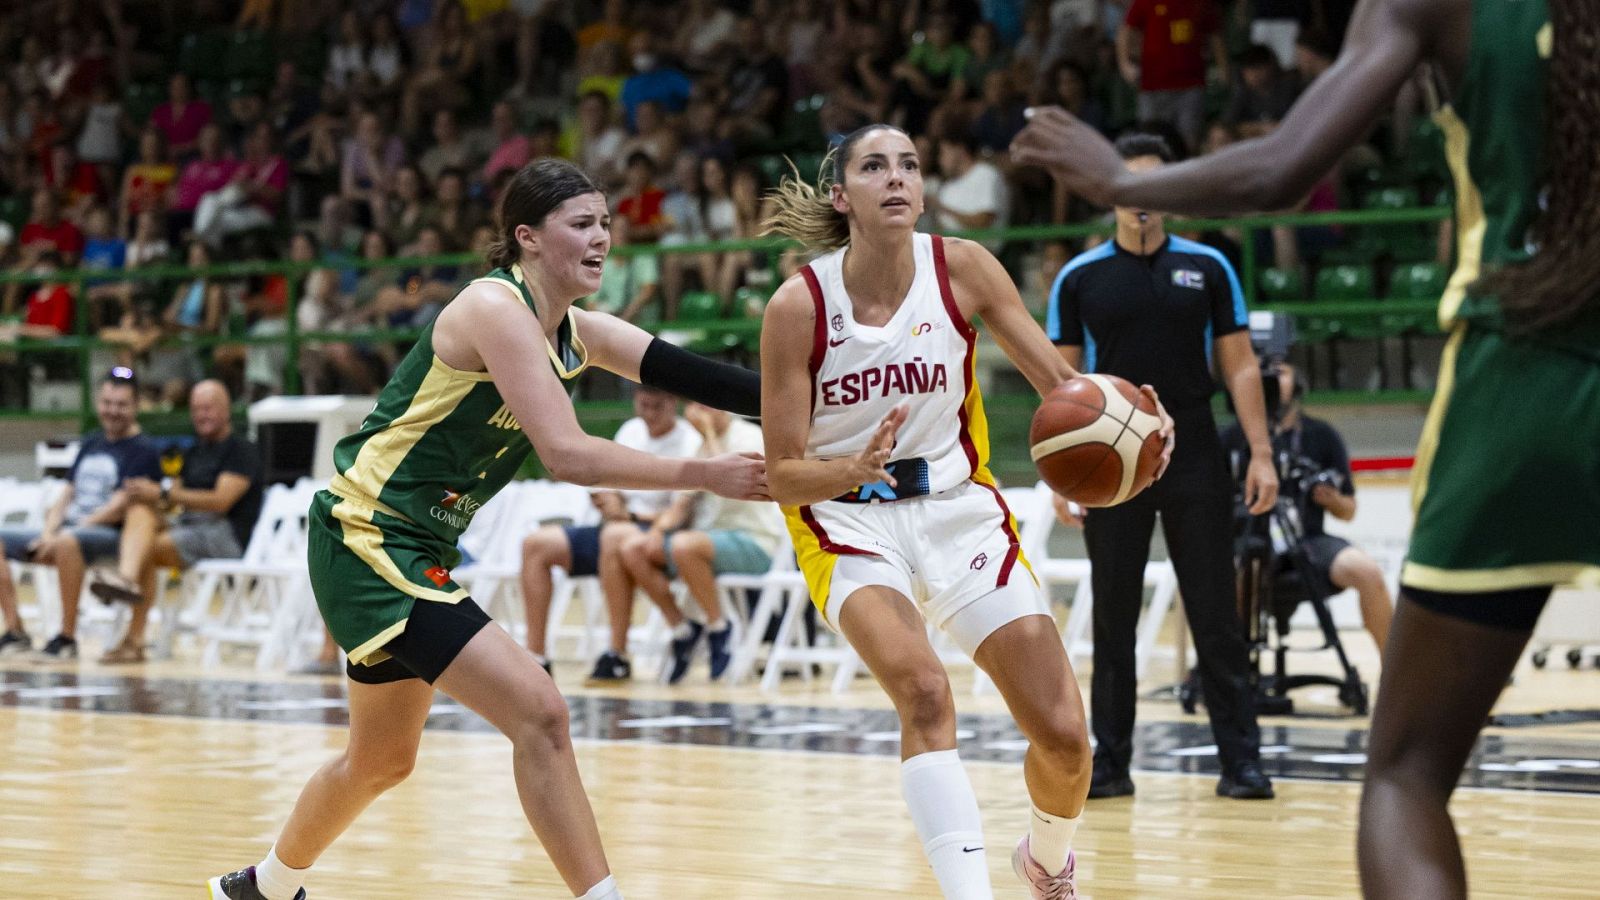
{"x": 1507, "y": 482}
{"x": 368, "y": 569}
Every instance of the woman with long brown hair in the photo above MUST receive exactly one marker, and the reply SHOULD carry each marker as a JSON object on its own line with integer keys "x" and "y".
{"x": 878, "y": 450}
{"x": 482, "y": 388}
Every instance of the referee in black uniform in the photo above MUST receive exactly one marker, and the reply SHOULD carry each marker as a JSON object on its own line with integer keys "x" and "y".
{"x": 1155, "y": 310}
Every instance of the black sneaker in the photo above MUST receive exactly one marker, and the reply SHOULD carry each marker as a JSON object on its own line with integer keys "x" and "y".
{"x": 717, "y": 644}
{"x": 15, "y": 642}
{"x": 683, "y": 651}
{"x": 1109, "y": 781}
{"x": 60, "y": 647}
{"x": 1245, "y": 782}
{"x": 240, "y": 885}
{"x": 544, "y": 663}
{"x": 611, "y": 666}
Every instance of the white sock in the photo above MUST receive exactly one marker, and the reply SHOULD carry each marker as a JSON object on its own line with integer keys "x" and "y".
{"x": 721, "y": 626}
{"x": 945, "y": 811}
{"x": 1050, "y": 839}
{"x": 606, "y": 890}
{"x": 683, "y": 630}
{"x": 275, "y": 880}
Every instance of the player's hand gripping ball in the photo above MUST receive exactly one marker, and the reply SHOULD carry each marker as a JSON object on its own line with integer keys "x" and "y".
{"x": 1097, "y": 440}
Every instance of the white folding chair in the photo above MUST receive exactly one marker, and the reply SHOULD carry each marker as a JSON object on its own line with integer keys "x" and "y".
{"x": 266, "y": 597}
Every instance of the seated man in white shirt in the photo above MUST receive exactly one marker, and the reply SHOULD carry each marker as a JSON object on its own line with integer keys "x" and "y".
{"x": 592, "y": 549}
{"x": 973, "y": 193}
{"x": 728, "y": 536}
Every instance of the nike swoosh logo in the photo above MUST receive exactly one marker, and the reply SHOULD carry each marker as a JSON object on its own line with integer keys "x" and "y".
{"x": 834, "y": 342}
{"x": 971, "y": 849}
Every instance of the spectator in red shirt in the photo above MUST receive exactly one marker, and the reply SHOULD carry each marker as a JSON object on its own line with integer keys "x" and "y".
{"x": 641, "y": 200}
{"x": 46, "y": 231}
{"x": 1171, "y": 70}
{"x": 252, "y": 196}
{"x": 181, "y": 118}
{"x": 49, "y": 312}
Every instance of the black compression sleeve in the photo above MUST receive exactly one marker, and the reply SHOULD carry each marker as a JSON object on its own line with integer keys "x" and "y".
{"x": 694, "y": 377}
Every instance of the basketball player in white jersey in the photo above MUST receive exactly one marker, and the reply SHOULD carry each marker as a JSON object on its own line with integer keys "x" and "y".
{"x": 877, "y": 449}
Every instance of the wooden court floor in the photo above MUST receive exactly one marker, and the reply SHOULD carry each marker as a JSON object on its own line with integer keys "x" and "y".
{"x": 148, "y": 804}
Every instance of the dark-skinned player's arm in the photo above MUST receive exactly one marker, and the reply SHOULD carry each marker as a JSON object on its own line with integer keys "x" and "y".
{"x": 1386, "y": 41}
{"x": 788, "y": 329}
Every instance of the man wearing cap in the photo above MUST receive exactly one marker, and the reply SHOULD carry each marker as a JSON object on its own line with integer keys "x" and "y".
{"x": 83, "y": 525}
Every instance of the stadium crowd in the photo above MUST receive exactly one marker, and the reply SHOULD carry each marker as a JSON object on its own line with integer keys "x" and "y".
{"x": 136, "y": 133}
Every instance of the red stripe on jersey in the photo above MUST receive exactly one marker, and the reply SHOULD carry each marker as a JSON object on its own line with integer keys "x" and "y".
{"x": 1011, "y": 535}
{"x": 970, "y": 334}
{"x": 819, "y": 332}
{"x": 942, "y": 272}
{"x": 827, "y": 542}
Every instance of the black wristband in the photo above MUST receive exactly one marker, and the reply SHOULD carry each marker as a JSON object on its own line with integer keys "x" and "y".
{"x": 695, "y": 377}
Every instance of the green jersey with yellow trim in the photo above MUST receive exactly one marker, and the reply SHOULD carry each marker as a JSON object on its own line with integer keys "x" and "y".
{"x": 1494, "y": 129}
{"x": 440, "y": 441}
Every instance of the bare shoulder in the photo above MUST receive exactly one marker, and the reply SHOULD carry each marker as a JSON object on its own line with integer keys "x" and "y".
{"x": 970, "y": 264}
{"x": 791, "y": 303}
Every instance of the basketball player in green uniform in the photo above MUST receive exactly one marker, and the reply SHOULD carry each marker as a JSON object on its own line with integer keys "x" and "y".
{"x": 481, "y": 389}
{"x": 1507, "y": 484}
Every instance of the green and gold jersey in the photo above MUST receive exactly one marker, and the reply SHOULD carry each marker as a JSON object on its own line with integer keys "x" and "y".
{"x": 440, "y": 442}
{"x": 1494, "y": 129}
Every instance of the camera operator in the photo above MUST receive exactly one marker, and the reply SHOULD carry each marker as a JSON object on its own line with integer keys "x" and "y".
{"x": 1312, "y": 448}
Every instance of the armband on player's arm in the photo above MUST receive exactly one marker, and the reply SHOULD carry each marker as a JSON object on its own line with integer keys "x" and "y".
{"x": 694, "y": 377}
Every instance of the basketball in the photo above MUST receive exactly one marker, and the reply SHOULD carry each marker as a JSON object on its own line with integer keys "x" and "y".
{"x": 1096, "y": 440}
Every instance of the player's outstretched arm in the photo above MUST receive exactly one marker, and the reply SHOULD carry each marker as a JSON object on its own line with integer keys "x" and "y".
{"x": 630, "y": 351}
{"x": 512, "y": 352}
{"x": 787, "y": 338}
{"x": 984, "y": 289}
{"x": 1386, "y": 41}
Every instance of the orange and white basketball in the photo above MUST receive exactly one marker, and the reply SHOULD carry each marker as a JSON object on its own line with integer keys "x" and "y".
{"x": 1096, "y": 440}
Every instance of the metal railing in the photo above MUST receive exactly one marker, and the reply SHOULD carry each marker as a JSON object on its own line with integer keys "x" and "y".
{"x": 83, "y": 343}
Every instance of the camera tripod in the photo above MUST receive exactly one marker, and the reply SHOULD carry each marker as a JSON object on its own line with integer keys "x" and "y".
{"x": 1266, "y": 619}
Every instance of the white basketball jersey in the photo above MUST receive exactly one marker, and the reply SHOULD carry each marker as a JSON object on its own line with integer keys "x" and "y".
{"x": 923, "y": 356}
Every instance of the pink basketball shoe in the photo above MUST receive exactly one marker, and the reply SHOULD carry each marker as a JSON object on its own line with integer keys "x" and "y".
{"x": 1041, "y": 884}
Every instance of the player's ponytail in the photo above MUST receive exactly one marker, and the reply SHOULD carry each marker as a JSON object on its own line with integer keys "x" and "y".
{"x": 1561, "y": 281}
{"x": 803, "y": 211}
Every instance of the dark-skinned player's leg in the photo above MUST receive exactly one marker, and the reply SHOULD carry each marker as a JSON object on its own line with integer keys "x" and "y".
{"x": 1441, "y": 677}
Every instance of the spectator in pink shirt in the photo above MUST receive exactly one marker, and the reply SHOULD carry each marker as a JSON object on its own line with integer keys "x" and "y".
{"x": 253, "y": 195}
{"x": 181, "y": 118}
{"x": 512, "y": 149}
{"x": 208, "y": 172}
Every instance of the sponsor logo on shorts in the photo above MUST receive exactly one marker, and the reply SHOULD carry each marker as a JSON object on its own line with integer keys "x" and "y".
{"x": 979, "y": 561}
{"x": 456, "y": 509}
{"x": 439, "y": 575}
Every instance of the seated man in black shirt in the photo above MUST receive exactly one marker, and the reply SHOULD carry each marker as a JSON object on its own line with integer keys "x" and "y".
{"x": 1337, "y": 563}
{"x": 218, "y": 493}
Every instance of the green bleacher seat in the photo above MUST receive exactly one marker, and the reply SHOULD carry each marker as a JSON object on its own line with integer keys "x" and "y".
{"x": 139, "y": 100}
{"x": 1418, "y": 281}
{"x": 1391, "y": 197}
{"x": 250, "y": 56}
{"x": 1345, "y": 283}
{"x": 773, "y": 167}
{"x": 699, "y": 306}
{"x": 1360, "y": 250}
{"x": 14, "y": 211}
{"x": 204, "y": 55}
{"x": 750, "y": 301}
{"x": 1283, "y": 286}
